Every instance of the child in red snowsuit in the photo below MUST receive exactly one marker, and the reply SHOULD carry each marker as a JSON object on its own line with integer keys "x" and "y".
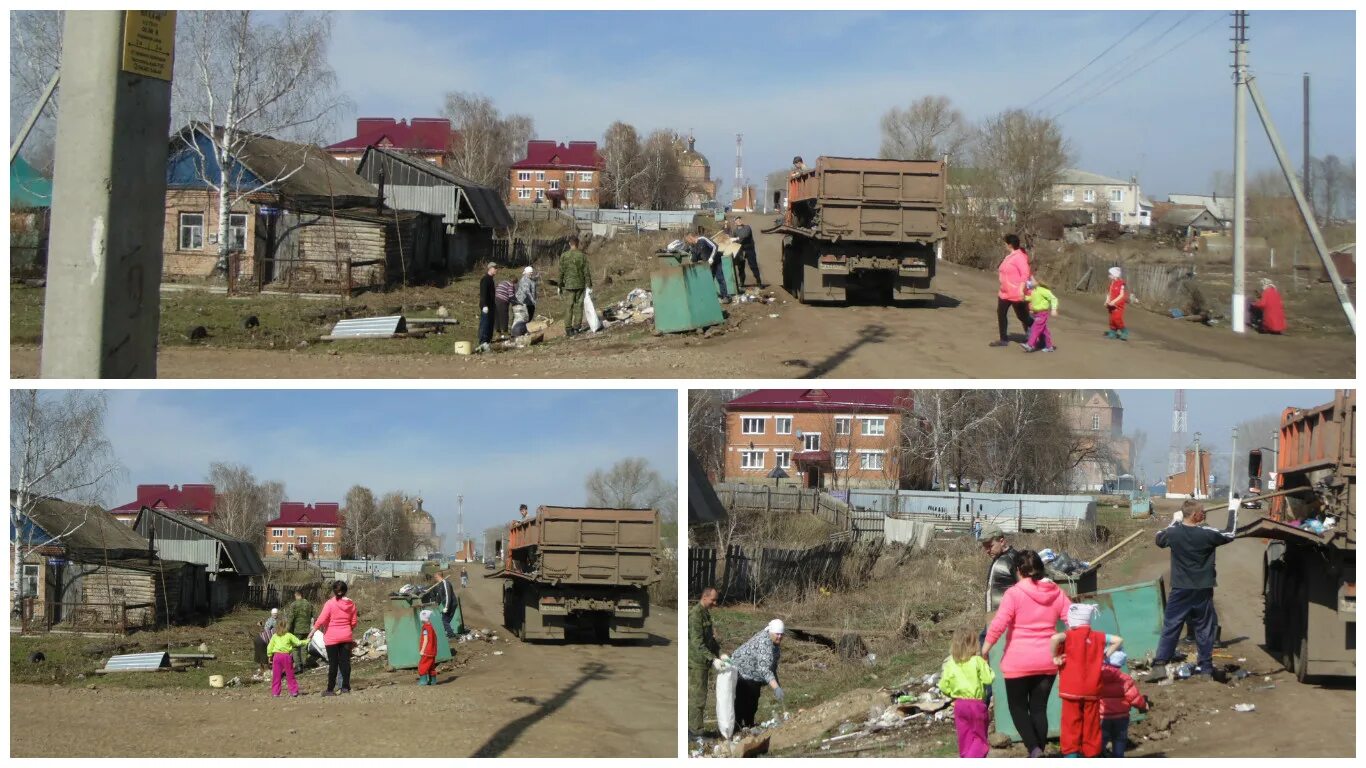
{"x": 426, "y": 651}
{"x": 1080, "y": 653}
{"x": 1115, "y": 301}
{"x": 1118, "y": 693}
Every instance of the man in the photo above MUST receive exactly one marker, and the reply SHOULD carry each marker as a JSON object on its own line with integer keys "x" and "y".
{"x": 445, "y": 595}
{"x": 526, "y": 292}
{"x": 486, "y": 301}
{"x": 744, "y": 235}
{"x": 300, "y": 621}
{"x": 1191, "y": 598}
{"x": 798, "y": 168}
{"x": 574, "y": 280}
{"x": 703, "y": 249}
{"x": 1004, "y": 563}
{"x": 703, "y": 652}
{"x": 522, "y": 510}
{"x": 1268, "y": 311}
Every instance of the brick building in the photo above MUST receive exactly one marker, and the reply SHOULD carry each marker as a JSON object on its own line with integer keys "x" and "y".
{"x": 427, "y": 138}
{"x": 307, "y": 530}
{"x": 822, "y": 438}
{"x": 1097, "y": 415}
{"x": 191, "y": 500}
{"x": 561, "y": 174}
{"x": 1194, "y": 480}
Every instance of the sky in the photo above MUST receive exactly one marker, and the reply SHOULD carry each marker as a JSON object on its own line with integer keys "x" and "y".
{"x": 1213, "y": 413}
{"x": 1158, "y": 106}
{"x": 498, "y": 449}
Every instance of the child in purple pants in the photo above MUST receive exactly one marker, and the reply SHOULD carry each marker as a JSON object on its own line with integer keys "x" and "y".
{"x": 280, "y": 649}
{"x": 964, "y": 679}
{"x": 1042, "y": 303}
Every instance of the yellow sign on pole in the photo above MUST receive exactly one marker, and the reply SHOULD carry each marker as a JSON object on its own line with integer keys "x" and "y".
{"x": 149, "y": 43}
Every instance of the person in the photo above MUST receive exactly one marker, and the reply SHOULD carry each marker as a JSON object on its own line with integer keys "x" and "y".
{"x": 1191, "y": 598}
{"x": 756, "y": 665}
{"x": 338, "y": 622}
{"x": 1080, "y": 654}
{"x": 1268, "y": 312}
{"x": 1118, "y": 693}
{"x": 1013, "y": 273}
{"x": 703, "y": 249}
{"x": 522, "y": 510}
{"x": 743, "y": 234}
{"x": 964, "y": 678}
{"x": 486, "y": 301}
{"x": 575, "y": 278}
{"x": 1004, "y": 563}
{"x": 262, "y": 642}
{"x": 426, "y": 649}
{"x": 300, "y": 621}
{"x": 1042, "y": 303}
{"x": 977, "y": 528}
{"x": 704, "y": 653}
{"x": 464, "y": 579}
{"x": 1030, "y": 612}
{"x": 798, "y": 168}
{"x": 283, "y": 643}
{"x": 445, "y": 595}
{"x": 503, "y": 294}
{"x": 1115, "y": 301}
{"x": 526, "y": 292}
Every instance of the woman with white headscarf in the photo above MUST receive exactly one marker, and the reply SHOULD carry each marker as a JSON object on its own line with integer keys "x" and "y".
{"x": 261, "y": 640}
{"x": 756, "y": 662}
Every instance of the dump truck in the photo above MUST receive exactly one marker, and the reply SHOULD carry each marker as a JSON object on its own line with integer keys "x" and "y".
{"x": 861, "y": 224}
{"x": 1309, "y": 520}
{"x": 571, "y": 568}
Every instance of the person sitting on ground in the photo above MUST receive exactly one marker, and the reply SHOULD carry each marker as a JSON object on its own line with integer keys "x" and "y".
{"x": 964, "y": 678}
{"x": 281, "y": 651}
{"x": 1080, "y": 654}
{"x": 426, "y": 649}
{"x": 1118, "y": 693}
{"x": 1267, "y": 313}
{"x": 756, "y": 664}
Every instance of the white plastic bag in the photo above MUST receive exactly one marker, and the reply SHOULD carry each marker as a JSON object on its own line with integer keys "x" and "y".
{"x": 316, "y": 644}
{"x": 725, "y": 701}
{"x": 590, "y": 312}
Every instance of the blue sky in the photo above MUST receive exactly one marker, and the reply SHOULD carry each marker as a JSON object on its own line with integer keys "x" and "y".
{"x": 499, "y": 449}
{"x": 721, "y": 73}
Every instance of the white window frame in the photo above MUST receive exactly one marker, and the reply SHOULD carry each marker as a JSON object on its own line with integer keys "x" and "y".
{"x": 865, "y": 463}
{"x": 195, "y": 231}
{"x": 523, "y": 193}
{"x": 328, "y": 547}
{"x": 584, "y": 194}
{"x": 540, "y": 175}
{"x": 1116, "y": 195}
{"x": 540, "y": 195}
{"x": 277, "y": 531}
{"x": 300, "y": 539}
{"x": 327, "y": 532}
{"x": 290, "y": 532}
{"x": 1069, "y": 195}
{"x": 277, "y": 547}
{"x": 782, "y": 458}
{"x": 844, "y": 425}
{"x": 290, "y": 547}
{"x": 29, "y": 578}
{"x": 234, "y": 228}
{"x": 806, "y": 441}
{"x": 1095, "y": 422}
{"x": 554, "y": 183}
{"x": 748, "y": 422}
{"x": 841, "y": 459}
{"x": 585, "y": 175}
{"x": 748, "y": 458}
{"x": 1116, "y": 217}
{"x": 524, "y": 175}
{"x": 1088, "y": 195}
{"x": 778, "y": 425}
{"x": 315, "y": 533}
{"x": 868, "y": 421}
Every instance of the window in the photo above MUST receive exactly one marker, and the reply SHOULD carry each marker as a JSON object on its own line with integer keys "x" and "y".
{"x": 842, "y": 425}
{"x": 870, "y": 459}
{"x": 585, "y": 175}
{"x": 29, "y": 587}
{"x": 841, "y": 459}
{"x": 1069, "y": 195}
{"x": 874, "y": 427}
{"x": 1095, "y": 422}
{"x": 554, "y": 183}
{"x": 540, "y": 195}
{"x": 1115, "y": 216}
{"x": 540, "y": 175}
{"x": 782, "y": 459}
{"x": 315, "y": 533}
{"x": 1116, "y": 195}
{"x": 328, "y": 532}
{"x": 191, "y": 231}
{"x": 277, "y": 547}
{"x": 782, "y": 425}
{"x": 277, "y": 531}
{"x": 811, "y": 441}
{"x": 237, "y": 231}
{"x": 524, "y": 175}
{"x": 303, "y": 539}
{"x": 291, "y": 531}
{"x": 290, "y": 549}
{"x": 328, "y": 547}
{"x": 751, "y": 425}
{"x": 1089, "y": 195}
{"x": 523, "y": 193}
{"x": 751, "y": 459}
{"x": 584, "y": 194}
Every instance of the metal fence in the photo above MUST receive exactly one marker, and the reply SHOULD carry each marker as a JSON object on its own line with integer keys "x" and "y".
{"x": 379, "y": 568}
{"x": 637, "y": 219}
{"x": 1010, "y": 511}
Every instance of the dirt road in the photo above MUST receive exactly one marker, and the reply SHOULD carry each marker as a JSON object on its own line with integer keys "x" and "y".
{"x": 945, "y": 337}
{"x": 534, "y": 700}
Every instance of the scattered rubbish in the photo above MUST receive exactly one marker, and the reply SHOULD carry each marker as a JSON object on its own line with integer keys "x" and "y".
{"x": 1244, "y": 707}
{"x": 197, "y": 333}
{"x": 235, "y": 682}
{"x": 203, "y": 648}
{"x": 1241, "y": 674}
{"x": 497, "y": 653}
{"x": 215, "y": 681}
{"x": 251, "y": 321}
{"x": 462, "y": 348}
{"x": 1264, "y": 687}
{"x": 1266, "y": 679}
{"x": 773, "y": 316}
{"x": 1242, "y": 660}
{"x": 1185, "y": 670}
{"x": 36, "y": 657}
{"x": 870, "y": 659}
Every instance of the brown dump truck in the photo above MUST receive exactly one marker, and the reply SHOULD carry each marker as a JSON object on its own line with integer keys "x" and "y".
{"x": 1309, "y": 570}
{"x": 572, "y": 568}
{"x": 863, "y": 224}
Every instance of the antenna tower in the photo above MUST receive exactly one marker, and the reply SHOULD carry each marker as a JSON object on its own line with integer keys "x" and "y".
{"x": 1176, "y": 456}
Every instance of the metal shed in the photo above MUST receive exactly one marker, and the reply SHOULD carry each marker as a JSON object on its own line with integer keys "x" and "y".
{"x": 230, "y": 563}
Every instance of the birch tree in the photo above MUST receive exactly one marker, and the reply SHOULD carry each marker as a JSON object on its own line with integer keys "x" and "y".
{"x": 630, "y": 484}
{"x": 662, "y": 184}
{"x": 361, "y": 524}
{"x": 35, "y": 54}
{"x": 623, "y": 164}
{"x": 58, "y": 450}
{"x": 239, "y": 75}
{"x": 1018, "y": 156}
{"x": 485, "y": 143}
{"x": 928, "y": 129}
{"x": 242, "y": 504}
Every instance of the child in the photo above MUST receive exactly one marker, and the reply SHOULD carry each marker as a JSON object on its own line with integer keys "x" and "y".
{"x": 964, "y": 679}
{"x": 426, "y": 651}
{"x": 1117, "y": 299}
{"x": 1117, "y": 694}
{"x": 281, "y": 651}
{"x": 1080, "y": 652}
{"x": 1042, "y": 303}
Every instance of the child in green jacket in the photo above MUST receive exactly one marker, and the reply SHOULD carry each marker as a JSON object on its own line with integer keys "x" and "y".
{"x": 964, "y": 679}
{"x": 1042, "y": 303}
{"x": 280, "y": 650}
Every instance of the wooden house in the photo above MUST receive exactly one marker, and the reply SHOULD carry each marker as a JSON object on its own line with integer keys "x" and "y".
{"x": 230, "y": 563}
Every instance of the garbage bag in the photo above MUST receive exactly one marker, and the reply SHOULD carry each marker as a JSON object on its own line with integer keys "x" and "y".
{"x": 725, "y": 701}
{"x": 316, "y": 643}
{"x": 590, "y": 312}
{"x": 519, "y": 314}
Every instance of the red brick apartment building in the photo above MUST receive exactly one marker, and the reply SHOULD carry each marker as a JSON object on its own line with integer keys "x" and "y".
{"x": 192, "y": 500}
{"x": 428, "y": 138}
{"x": 311, "y": 530}
{"x": 567, "y": 175}
{"x": 821, "y": 438}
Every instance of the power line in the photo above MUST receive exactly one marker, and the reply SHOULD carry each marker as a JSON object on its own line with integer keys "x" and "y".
{"x": 1126, "y": 36}
{"x": 1119, "y": 67}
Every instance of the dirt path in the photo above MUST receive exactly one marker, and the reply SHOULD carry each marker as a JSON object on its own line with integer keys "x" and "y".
{"x": 942, "y": 338}
{"x": 535, "y": 700}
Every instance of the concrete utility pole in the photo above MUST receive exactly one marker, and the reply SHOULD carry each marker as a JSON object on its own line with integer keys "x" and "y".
{"x": 1308, "y": 185}
{"x": 1232, "y": 465}
{"x": 109, "y": 195}
{"x": 1239, "y": 169}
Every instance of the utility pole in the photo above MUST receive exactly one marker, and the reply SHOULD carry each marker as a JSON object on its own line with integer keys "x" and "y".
{"x": 1239, "y": 170}
{"x": 739, "y": 166}
{"x": 1308, "y": 185}
{"x": 109, "y": 195}
{"x": 1232, "y": 465}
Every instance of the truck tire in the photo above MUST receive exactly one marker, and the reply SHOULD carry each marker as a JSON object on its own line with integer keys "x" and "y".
{"x": 1302, "y": 660}
{"x": 1272, "y": 624}
{"x": 512, "y": 609}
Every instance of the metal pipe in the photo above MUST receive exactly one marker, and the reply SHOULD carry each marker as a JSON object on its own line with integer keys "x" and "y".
{"x": 34, "y": 115}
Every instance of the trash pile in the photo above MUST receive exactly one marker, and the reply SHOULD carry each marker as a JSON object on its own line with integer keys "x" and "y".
{"x": 371, "y": 645}
{"x": 637, "y": 307}
{"x": 487, "y": 636}
{"x": 752, "y": 296}
{"x": 1315, "y": 525}
{"x": 1062, "y": 562}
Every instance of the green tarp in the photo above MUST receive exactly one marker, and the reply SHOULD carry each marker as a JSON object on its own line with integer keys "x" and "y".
{"x": 27, "y": 187}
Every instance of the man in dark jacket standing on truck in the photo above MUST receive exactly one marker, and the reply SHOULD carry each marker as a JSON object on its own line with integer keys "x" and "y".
{"x": 742, "y": 234}
{"x": 703, "y": 651}
{"x": 486, "y": 303}
{"x": 1191, "y": 598}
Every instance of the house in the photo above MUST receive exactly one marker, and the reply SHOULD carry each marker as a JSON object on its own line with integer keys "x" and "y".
{"x": 425, "y": 138}
{"x": 229, "y": 563}
{"x": 1188, "y": 222}
{"x": 472, "y": 214}
{"x": 747, "y": 202}
{"x": 1097, "y": 415}
{"x": 1220, "y": 206}
{"x": 305, "y": 219}
{"x": 1107, "y": 199}
{"x": 1193, "y": 481}
{"x": 193, "y": 500}
{"x": 820, "y": 438}
{"x": 305, "y": 530}
{"x": 84, "y": 569}
{"x": 568, "y": 174}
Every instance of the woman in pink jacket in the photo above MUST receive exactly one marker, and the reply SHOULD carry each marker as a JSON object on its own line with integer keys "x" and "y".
{"x": 1030, "y": 612}
{"x": 1014, "y": 272}
{"x": 337, "y": 620}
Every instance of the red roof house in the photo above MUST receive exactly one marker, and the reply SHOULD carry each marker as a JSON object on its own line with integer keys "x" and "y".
{"x": 192, "y": 500}
{"x": 823, "y": 400}
{"x": 305, "y": 529}
{"x": 565, "y": 174}
{"x": 426, "y": 137}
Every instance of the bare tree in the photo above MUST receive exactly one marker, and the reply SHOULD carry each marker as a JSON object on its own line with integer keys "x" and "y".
{"x": 35, "y": 53}
{"x": 1330, "y": 179}
{"x": 944, "y": 430}
{"x": 707, "y": 427}
{"x": 243, "y": 504}
{"x": 486, "y": 143}
{"x": 623, "y": 164}
{"x": 360, "y": 523}
{"x": 662, "y": 184}
{"x": 928, "y": 129}
{"x": 1018, "y": 157}
{"x": 630, "y": 484}
{"x": 395, "y": 539}
{"x": 58, "y": 450}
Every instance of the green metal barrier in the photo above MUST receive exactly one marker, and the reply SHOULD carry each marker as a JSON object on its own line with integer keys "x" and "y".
{"x": 685, "y": 297}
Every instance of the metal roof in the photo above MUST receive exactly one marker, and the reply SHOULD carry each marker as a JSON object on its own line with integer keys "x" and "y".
{"x": 241, "y": 555}
{"x": 484, "y": 202}
{"x": 1076, "y": 176}
{"x": 138, "y": 662}
{"x": 83, "y": 530}
{"x": 369, "y": 327}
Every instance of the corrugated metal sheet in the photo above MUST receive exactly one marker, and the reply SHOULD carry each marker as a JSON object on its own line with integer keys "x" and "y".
{"x": 443, "y": 201}
{"x": 369, "y": 327}
{"x": 1003, "y": 510}
{"x": 181, "y": 538}
{"x": 672, "y": 219}
{"x": 400, "y": 170}
{"x": 138, "y": 662}
{"x": 376, "y": 567}
{"x": 202, "y": 551}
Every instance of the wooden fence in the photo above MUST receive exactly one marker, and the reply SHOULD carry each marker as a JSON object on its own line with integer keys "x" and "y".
{"x": 278, "y": 595}
{"x": 785, "y": 499}
{"x": 752, "y": 574}
{"x": 85, "y": 617}
{"x": 522, "y": 252}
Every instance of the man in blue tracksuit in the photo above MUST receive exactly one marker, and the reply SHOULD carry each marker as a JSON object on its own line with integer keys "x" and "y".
{"x": 1191, "y": 599}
